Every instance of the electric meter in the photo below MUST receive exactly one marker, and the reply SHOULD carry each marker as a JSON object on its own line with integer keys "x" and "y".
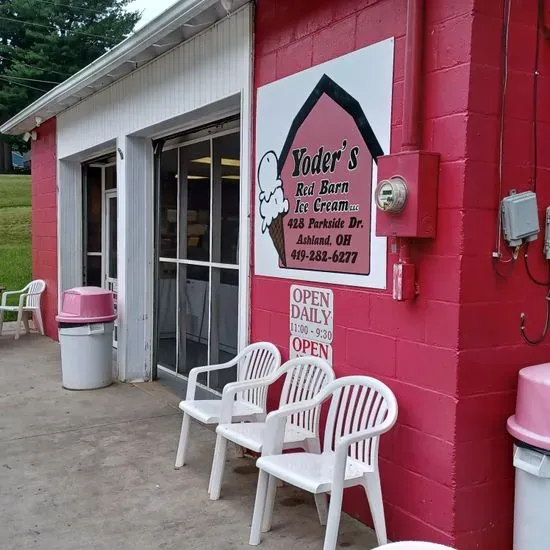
{"x": 391, "y": 195}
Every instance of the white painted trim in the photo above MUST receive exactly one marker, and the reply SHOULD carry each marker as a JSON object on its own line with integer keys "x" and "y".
{"x": 218, "y": 117}
{"x": 125, "y": 52}
{"x": 199, "y": 263}
{"x": 69, "y": 226}
{"x": 246, "y": 190}
{"x": 186, "y": 378}
{"x": 134, "y": 177}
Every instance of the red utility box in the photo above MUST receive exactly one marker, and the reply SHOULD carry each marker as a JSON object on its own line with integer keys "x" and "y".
{"x": 419, "y": 170}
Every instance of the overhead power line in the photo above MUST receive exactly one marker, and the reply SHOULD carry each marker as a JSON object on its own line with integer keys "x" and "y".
{"x": 62, "y": 5}
{"x": 64, "y": 75}
{"x": 32, "y": 79}
{"x": 32, "y": 23}
{"x": 7, "y": 79}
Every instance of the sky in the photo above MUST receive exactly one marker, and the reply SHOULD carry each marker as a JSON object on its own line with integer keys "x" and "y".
{"x": 150, "y": 9}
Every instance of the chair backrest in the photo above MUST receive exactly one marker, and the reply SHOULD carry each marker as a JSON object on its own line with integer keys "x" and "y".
{"x": 37, "y": 286}
{"x": 359, "y": 403}
{"x": 257, "y": 361}
{"x": 305, "y": 378}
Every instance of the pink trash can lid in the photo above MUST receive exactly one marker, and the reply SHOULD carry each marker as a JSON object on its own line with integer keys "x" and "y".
{"x": 414, "y": 545}
{"x": 531, "y": 423}
{"x": 88, "y": 304}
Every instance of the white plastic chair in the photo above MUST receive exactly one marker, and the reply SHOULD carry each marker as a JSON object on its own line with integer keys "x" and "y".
{"x": 254, "y": 363}
{"x": 414, "y": 545}
{"x": 305, "y": 378}
{"x": 29, "y": 304}
{"x": 361, "y": 409}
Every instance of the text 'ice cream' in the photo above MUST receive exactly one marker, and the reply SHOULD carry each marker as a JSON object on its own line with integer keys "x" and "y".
{"x": 273, "y": 205}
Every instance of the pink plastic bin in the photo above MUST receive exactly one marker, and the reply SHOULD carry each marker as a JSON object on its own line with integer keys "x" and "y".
{"x": 88, "y": 304}
{"x": 531, "y": 423}
{"x": 414, "y": 545}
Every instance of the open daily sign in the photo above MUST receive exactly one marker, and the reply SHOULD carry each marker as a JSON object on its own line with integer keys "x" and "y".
{"x": 311, "y": 313}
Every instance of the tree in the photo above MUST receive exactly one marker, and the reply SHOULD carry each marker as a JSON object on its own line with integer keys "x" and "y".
{"x": 43, "y": 42}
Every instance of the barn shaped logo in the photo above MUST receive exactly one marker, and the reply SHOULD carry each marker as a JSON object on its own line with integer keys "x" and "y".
{"x": 315, "y": 195}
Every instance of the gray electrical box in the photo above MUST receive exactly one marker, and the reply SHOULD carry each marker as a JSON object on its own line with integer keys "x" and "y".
{"x": 520, "y": 220}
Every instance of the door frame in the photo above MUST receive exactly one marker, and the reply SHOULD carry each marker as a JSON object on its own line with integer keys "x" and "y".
{"x": 232, "y": 126}
{"x": 106, "y": 194}
{"x": 107, "y": 282}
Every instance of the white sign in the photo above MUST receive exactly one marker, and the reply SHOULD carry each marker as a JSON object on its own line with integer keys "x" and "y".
{"x": 311, "y": 322}
{"x": 312, "y": 313}
{"x": 319, "y": 134}
{"x": 302, "y": 346}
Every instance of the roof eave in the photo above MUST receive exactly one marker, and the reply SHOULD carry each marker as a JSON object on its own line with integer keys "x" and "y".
{"x": 51, "y": 102}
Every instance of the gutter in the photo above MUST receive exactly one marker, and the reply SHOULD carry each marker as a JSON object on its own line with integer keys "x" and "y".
{"x": 171, "y": 19}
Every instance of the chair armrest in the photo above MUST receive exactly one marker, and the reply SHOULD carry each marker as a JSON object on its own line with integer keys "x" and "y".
{"x": 25, "y": 295}
{"x": 9, "y": 293}
{"x": 348, "y": 440}
{"x": 343, "y": 445}
{"x": 194, "y": 373}
{"x": 233, "y": 388}
{"x": 275, "y": 422}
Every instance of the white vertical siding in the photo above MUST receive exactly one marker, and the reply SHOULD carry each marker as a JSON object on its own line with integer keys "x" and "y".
{"x": 211, "y": 66}
{"x": 69, "y": 225}
{"x": 134, "y": 178}
{"x": 199, "y": 74}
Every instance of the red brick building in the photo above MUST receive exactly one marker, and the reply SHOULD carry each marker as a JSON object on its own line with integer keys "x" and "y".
{"x": 452, "y": 354}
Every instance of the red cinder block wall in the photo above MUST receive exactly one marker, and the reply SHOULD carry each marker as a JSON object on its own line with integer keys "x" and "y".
{"x": 413, "y": 347}
{"x": 491, "y": 350}
{"x": 44, "y": 220}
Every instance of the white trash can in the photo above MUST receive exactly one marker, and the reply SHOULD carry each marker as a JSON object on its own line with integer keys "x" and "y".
{"x": 532, "y": 498}
{"x": 530, "y": 427}
{"x": 86, "y": 323}
{"x": 86, "y": 355}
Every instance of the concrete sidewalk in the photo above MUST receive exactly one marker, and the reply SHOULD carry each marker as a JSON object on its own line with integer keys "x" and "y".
{"x": 94, "y": 470}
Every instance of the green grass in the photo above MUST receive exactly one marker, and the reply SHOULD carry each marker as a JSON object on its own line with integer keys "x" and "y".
{"x": 15, "y": 232}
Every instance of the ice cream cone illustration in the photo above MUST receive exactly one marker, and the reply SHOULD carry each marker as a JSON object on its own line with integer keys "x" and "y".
{"x": 273, "y": 205}
{"x": 277, "y": 234}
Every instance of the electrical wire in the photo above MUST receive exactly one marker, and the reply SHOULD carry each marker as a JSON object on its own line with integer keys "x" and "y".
{"x": 62, "y": 5}
{"x": 7, "y": 79}
{"x": 540, "y": 15}
{"x": 32, "y": 23}
{"x": 530, "y": 273}
{"x": 31, "y": 79}
{"x": 540, "y": 339}
{"x": 504, "y": 86}
{"x": 523, "y": 318}
{"x": 507, "y": 274}
{"x": 36, "y": 67}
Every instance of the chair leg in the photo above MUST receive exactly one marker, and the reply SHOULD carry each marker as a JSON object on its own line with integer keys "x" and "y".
{"x": 26, "y": 322}
{"x": 322, "y": 507}
{"x": 269, "y": 504}
{"x": 1, "y": 320}
{"x": 184, "y": 439}
{"x": 38, "y": 321}
{"x": 18, "y": 326}
{"x": 218, "y": 464}
{"x": 314, "y": 446}
{"x": 259, "y": 509}
{"x": 374, "y": 496}
{"x": 333, "y": 520}
{"x": 239, "y": 451}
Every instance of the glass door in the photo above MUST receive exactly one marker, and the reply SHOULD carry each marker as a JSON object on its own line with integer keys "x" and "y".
{"x": 198, "y": 271}
{"x": 100, "y": 226}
